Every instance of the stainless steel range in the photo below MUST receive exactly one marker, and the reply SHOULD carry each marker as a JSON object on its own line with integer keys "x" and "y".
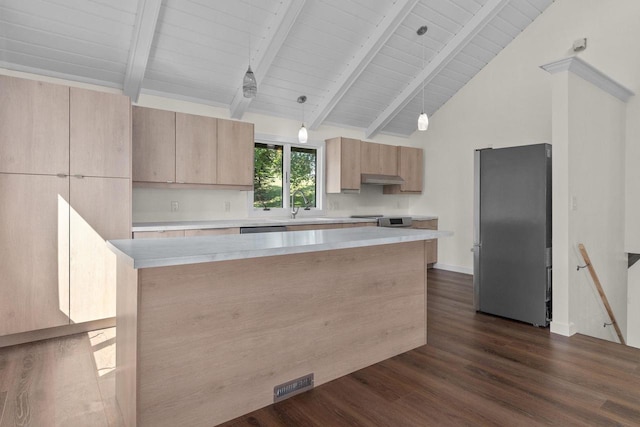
{"x": 388, "y": 221}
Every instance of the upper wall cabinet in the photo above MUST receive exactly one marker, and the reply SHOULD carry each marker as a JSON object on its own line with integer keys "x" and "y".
{"x": 410, "y": 168}
{"x": 378, "y": 159}
{"x": 100, "y": 123}
{"x": 154, "y": 145}
{"x": 196, "y": 149}
{"x": 235, "y": 153}
{"x": 343, "y": 165}
{"x": 176, "y": 148}
{"x": 348, "y": 158}
{"x": 34, "y": 127}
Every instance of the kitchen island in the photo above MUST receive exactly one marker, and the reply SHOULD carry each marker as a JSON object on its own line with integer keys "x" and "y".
{"x": 208, "y": 326}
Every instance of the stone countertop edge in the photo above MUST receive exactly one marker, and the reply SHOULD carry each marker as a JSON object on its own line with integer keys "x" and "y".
{"x": 165, "y": 252}
{"x": 253, "y": 222}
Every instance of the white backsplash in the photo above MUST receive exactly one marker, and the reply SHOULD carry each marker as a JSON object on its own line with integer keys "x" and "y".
{"x": 155, "y": 205}
{"x": 370, "y": 200}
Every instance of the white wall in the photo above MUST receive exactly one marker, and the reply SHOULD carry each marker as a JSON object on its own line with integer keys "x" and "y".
{"x": 509, "y": 103}
{"x": 596, "y": 124}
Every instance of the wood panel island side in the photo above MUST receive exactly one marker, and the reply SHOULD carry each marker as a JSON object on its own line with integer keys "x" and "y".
{"x": 208, "y": 326}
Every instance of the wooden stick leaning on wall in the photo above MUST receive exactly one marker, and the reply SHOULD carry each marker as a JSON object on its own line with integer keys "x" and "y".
{"x": 596, "y": 280}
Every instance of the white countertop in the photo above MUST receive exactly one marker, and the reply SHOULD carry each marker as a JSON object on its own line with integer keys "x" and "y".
{"x": 145, "y": 253}
{"x": 254, "y": 222}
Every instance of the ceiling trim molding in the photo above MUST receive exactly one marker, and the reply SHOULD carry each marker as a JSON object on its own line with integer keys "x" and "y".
{"x": 143, "y": 32}
{"x": 440, "y": 60}
{"x": 66, "y": 79}
{"x": 591, "y": 74}
{"x": 274, "y": 40}
{"x": 376, "y": 40}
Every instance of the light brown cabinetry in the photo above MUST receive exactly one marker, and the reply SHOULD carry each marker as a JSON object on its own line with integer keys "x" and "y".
{"x": 378, "y": 159}
{"x": 176, "y": 148}
{"x": 185, "y": 233}
{"x": 347, "y": 159}
{"x": 157, "y": 234}
{"x": 432, "y": 245}
{"x": 154, "y": 145}
{"x": 235, "y": 153}
{"x": 34, "y": 127}
{"x": 211, "y": 231}
{"x": 312, "y": 227}
{"x": 359, "y": 224}
{"x": 328, "y": 226}
{"x": 343, "y": 165}
{"x": 196, "y": 149}
{"x": 59, "y": 211}
{"x": 100, "y": 134}
{"x": 410, "y": 168}
{"x": 34, "y": 234}
{"x": 101, "y": 210}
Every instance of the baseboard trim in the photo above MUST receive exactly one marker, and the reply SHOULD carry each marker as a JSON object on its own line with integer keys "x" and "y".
{"x": 454, "y": 268}
{"x": 55, "y": 332}
{"x": 565, "y": 329}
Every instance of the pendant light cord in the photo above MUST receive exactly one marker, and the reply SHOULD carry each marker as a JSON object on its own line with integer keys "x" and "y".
{"x": 422, "y": 71}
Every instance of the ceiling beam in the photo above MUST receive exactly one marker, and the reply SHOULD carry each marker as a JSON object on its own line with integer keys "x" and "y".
{"x": 394, "y": 17}
{"x": 439, "y": 61}
{"x": 143, "y": 32}
{"x": 274, "y": 39}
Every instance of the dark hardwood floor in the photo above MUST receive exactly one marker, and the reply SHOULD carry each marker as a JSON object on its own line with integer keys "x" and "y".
{"x": 475, "y": 370}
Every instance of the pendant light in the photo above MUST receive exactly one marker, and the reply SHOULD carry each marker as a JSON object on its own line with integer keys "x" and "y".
{"x": 423, "y": 119}
{"x": 249, "y": 84}
{"x": 302, "y": 133}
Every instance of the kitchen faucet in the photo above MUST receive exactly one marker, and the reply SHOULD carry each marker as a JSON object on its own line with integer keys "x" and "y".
{"x": 294, "y": 208}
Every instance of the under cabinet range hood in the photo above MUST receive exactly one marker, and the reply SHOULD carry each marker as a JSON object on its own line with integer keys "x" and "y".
{"x": 370, "y": 178}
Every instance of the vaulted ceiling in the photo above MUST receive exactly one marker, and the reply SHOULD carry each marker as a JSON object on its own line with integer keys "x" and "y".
{"x": 359, "y": 62}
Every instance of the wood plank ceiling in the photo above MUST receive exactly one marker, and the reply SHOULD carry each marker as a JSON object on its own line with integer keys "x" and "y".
{"x": 359, "y": 62}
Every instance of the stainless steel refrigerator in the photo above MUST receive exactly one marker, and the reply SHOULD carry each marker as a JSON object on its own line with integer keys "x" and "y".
{"x": 512, "y": 233}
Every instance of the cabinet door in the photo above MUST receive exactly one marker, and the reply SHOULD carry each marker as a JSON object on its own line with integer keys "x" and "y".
{"x": 34, "y": 127}
{"x": 369, "y": 157}
{"x": 432, "y": 251}
{"x": 100, "y": 134}
{"x": 342, "y": 164}
{"x": 235, "y": 153}
{"x": 388, "y": 159}
{"x": 431, "y": 245}
{"x": 196, "y": 149}
{"x": 359, "y": 224}
{"x": 350, "y": 164}
{"x": 154, "y": 145}
{"x": 157, "y": 234}
{"x": 211, "y": 232}
{"x": 313, "y": 227}
{"x": 100, "y": 210}
{"x": 410, "y": 168}
{"x": 34, "y": 282}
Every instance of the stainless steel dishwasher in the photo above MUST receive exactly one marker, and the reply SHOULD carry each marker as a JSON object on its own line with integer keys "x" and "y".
{"x": 263, "y": 229}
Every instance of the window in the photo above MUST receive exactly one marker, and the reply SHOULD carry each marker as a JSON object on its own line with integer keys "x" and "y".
{"x": 282, "y": 168}
{"x": 267, "y": 176}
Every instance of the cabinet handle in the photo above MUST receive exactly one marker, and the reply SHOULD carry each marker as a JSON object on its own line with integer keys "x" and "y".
{"x": 62, "y": 175}
{"x": 78, "y": 176}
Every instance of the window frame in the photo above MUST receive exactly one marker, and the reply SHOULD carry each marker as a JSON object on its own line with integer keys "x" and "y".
{"x": 287, "y": 143}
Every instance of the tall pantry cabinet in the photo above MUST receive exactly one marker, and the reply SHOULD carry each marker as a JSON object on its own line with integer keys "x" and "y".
{"x": 65, "y": 188}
